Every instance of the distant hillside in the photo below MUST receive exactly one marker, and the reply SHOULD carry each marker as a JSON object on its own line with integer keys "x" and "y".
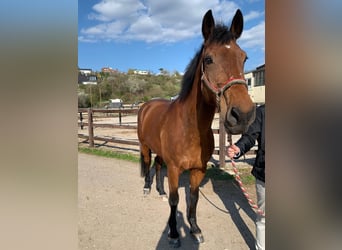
{"x": 128, "y": 87}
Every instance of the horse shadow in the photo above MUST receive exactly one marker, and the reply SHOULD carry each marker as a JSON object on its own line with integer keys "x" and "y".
{"x": 231, "y": 196}
{"x": 234, "y": 200}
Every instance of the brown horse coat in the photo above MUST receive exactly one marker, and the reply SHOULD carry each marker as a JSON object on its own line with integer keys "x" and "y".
{"x": 179, "y": 132}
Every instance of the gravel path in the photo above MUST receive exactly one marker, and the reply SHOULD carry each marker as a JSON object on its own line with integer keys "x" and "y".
{"x": 114, "y": 214}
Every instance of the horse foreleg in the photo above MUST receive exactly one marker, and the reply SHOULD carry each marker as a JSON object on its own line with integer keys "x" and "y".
{"x": 160, "y": 182}
{"x": 196, "y": 176}
{"x": 173, "y": 176}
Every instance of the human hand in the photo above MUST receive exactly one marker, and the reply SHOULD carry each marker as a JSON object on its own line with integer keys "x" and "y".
{"x": 232, "y": 150}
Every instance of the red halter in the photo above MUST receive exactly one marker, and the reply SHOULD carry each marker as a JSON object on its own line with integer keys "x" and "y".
{"x": 218, "y": 91}
{"x": 231, "y": 81}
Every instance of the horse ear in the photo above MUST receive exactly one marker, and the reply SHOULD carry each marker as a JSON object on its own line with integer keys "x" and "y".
{"x": 208, "y": 24}
{"x": 237, "y": 24}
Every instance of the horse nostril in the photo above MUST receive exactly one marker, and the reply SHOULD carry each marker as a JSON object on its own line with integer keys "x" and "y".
{"x": 233, "y": 117}
{"x": 235, "y": 113}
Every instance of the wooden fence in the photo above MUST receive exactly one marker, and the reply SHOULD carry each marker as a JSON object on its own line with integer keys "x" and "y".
{"x": 88, "y": 114}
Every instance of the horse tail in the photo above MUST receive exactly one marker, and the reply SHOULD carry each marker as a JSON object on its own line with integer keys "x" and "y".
{"x": 143, "y": 169}
{"x": 145, "y": 162}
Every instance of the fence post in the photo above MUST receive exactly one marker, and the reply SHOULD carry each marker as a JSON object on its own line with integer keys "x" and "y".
{"x": 120, "y": 116}
{"x": 81, "y": 118}
{"x": 90, "y": 128}
{"x": 222, "y": 143}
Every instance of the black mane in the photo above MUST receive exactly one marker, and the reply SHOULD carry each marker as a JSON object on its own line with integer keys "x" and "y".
{"x": 220, "y": 35}
{"x": 189, "y": 75}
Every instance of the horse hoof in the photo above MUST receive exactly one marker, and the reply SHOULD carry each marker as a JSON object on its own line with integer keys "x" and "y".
{"x": 198, "y": 237}
{"x": 163, "y": 197}
{"x": 147, "y": 191}
{"x": 161, "y": 192}
{"x": 174, "y": 243}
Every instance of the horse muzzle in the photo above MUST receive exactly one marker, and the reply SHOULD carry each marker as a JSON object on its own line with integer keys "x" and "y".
{"x": 237, "y": 122}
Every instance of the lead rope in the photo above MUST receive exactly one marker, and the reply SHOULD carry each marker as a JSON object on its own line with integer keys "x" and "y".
{"x": 238, "y": 179}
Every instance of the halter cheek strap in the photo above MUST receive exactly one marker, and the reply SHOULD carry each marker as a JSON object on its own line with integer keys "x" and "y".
{"x": 219, "y": 91}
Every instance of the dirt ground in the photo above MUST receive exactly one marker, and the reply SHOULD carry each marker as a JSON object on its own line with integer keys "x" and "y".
{"x": 114, "y": 213}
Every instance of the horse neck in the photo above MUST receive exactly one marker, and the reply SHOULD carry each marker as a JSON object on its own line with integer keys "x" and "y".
{"x": 196, "y": 105}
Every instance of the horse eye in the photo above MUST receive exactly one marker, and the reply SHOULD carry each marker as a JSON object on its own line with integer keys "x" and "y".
{"x": 245, "y": 59}
{"x": 208, "y": 60}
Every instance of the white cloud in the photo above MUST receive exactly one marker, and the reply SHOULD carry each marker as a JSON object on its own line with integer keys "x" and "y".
{"x": 156, "y": 20}
{"x": 144, "y": 29}
{"x": 87, "y": 40}
{"x": 254, "y": 37}
{"x": 253, "y": 15}
{"x": 103, "y": 31}
{"x": 109, "y": 10}
{"x": 224, "y": 11}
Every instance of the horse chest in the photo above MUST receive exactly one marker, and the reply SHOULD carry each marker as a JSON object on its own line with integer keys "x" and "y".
{"x": 187, "y": 151}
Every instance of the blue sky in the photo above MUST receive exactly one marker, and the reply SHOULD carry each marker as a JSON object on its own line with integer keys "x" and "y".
{"x": 154, "y": 34}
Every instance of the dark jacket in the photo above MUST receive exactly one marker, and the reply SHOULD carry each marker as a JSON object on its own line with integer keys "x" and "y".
{"x": 256, "y": 131}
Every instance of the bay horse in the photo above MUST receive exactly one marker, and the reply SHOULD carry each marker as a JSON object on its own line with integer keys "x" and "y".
{"x": 179, "y": 131}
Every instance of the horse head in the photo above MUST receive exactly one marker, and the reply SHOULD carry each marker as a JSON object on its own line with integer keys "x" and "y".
{"x": 222, "y": 73}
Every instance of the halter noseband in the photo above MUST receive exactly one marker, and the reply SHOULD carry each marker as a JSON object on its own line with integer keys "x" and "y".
{"x": 219, "y": 91}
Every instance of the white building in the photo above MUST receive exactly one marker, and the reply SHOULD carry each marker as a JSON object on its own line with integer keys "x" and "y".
{"x": 85, "y": 71}
{"x": 256, "y": 84}
{"x": 141, "y": 72}
{"x": 86, "y": 76}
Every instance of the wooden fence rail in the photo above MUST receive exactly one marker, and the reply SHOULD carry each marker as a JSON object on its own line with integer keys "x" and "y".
{"x": 89, "y": 112}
